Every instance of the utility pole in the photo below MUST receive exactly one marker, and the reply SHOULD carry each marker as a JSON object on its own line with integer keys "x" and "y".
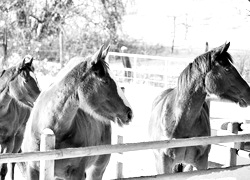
{"x": 61, "y": 47}
{"x": 172, "y": 48}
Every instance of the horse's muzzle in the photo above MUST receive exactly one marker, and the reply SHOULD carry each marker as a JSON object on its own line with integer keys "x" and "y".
{"x": 126, "y": 119}
{"x": 129, "y": 115}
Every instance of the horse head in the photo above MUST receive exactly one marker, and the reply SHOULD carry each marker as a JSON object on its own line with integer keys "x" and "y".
{"x": 6, "y": 77}
{"x": 99, "y": 93}
{"x": 25, "y": 87}
{"x": 224, "y": 80}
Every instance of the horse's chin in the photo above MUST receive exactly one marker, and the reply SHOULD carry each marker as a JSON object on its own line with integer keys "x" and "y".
{"x": 120, "y": 122}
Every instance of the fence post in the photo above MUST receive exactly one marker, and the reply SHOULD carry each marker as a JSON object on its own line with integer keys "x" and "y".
{"x": 166, "y": 73}
{"x": 233, "y": 127}
{"x": 47, "y": 143}
{"x": 134, "y": 70}
{"x": 119, "y": 165}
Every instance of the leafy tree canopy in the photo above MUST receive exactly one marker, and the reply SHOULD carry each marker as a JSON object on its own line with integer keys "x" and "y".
{"x": 33, "y": 26}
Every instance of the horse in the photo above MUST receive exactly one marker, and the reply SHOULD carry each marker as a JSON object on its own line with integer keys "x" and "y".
{"x": 78, "y": 107}
{"x": 18, "y": 91}
{"x": 182, "y": 112}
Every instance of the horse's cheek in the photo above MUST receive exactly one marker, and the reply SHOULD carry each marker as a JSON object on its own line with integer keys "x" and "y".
{"x": 214, "y": 84}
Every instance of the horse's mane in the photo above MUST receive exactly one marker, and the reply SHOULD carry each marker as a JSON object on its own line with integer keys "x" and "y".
{"x": 105, "y": 65}
{"x": 20, "y": 103}
{"x": 101, "y": 62}
{"x": 201, "y": 65}
{"x": 71, "y": 67}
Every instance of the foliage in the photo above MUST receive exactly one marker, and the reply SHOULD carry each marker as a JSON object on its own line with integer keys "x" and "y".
{"x": 34, "y": 26}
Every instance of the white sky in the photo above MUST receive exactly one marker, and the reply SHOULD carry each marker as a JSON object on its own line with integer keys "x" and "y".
{"x": 215, "y": 21}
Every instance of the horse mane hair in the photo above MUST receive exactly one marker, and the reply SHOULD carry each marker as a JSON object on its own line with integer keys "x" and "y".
{"x": 199, "y": 67}
{"x": 20, "y": 103}
{"x": 104, "y": 65}
{"x": 102, "y": 62}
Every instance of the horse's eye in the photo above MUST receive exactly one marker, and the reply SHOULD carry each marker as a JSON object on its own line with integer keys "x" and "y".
{"x": 227, "y": 69}
{"x": 105, "y": 81}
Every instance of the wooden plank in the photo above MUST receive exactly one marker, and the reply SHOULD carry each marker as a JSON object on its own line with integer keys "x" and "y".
{"x": 107, "y": 149}
{"x": 47, "y": 143}
{"x": 233, "y": 128}
{"x": 237, "y": 173}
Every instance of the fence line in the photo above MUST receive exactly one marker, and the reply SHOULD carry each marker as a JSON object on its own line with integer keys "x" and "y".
{"x": 119, "y": 148}
{"x": 237, "y": 172}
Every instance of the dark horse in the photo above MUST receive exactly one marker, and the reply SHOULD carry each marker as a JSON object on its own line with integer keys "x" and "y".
{"x": 79, "y": 107}
{"x": 18, "y": 92}
{"x": 182, "y": 112}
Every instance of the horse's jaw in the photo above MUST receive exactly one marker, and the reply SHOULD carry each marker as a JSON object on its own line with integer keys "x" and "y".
{"x": 242, "y": 103}
{"x": 241, "y": 98}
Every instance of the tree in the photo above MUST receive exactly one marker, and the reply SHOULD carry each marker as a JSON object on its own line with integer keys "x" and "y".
{"x": 41, "y": 21}
{"x": 113, "y": 10}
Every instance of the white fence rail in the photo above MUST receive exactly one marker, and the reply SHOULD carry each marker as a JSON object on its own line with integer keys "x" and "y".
{"x": 107, "y": 149}
{"x": 119, "y": 148}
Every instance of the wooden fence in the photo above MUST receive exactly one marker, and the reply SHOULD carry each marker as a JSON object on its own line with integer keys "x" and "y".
{"x": 47, "y": 155}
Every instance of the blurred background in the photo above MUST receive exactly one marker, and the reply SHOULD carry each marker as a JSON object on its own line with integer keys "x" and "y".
{"x": 56, "y": 30}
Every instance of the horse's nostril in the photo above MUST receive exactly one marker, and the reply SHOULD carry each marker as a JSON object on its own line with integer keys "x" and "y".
{"x": 130, "y": 115}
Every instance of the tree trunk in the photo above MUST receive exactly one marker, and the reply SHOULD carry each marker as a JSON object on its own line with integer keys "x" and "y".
{"x": 4, "y": 47}
{"x": 61, "y": 47}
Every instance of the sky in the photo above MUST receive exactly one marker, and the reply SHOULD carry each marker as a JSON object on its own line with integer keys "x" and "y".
{"x": 213, "y": 21}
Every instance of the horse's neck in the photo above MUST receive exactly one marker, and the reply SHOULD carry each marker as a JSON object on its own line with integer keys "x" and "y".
{"x": 64, "y": 107}
{"x": 65, "y": 102}
{"x": 190, "y": 97}
{"x": 13, "y": 108}
{"x": 5, "y": 100}
{"x": 84, "y": 131}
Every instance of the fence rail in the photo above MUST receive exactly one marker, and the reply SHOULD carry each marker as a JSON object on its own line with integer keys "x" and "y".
{"x": 119, "y": 148}
{"x": 237, "y": 172}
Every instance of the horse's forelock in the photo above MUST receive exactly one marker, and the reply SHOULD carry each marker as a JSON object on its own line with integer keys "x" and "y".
{"x": 226, "y": 57}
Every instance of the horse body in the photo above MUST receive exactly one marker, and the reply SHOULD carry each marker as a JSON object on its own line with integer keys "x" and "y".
{"x": 78, "y": 107}
{"x": 182, "y": 112}
{"x": 19, "y": 92}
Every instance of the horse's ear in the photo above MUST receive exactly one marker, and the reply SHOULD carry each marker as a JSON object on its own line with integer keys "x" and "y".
{"x": 105, "y": 52}
{"x": 97, "y": 55}
{"x": 222, "y": 49}
{"x": 225, "y": 47}
{"x": 29, "y": 59}
{"x": 21, "y": 64}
